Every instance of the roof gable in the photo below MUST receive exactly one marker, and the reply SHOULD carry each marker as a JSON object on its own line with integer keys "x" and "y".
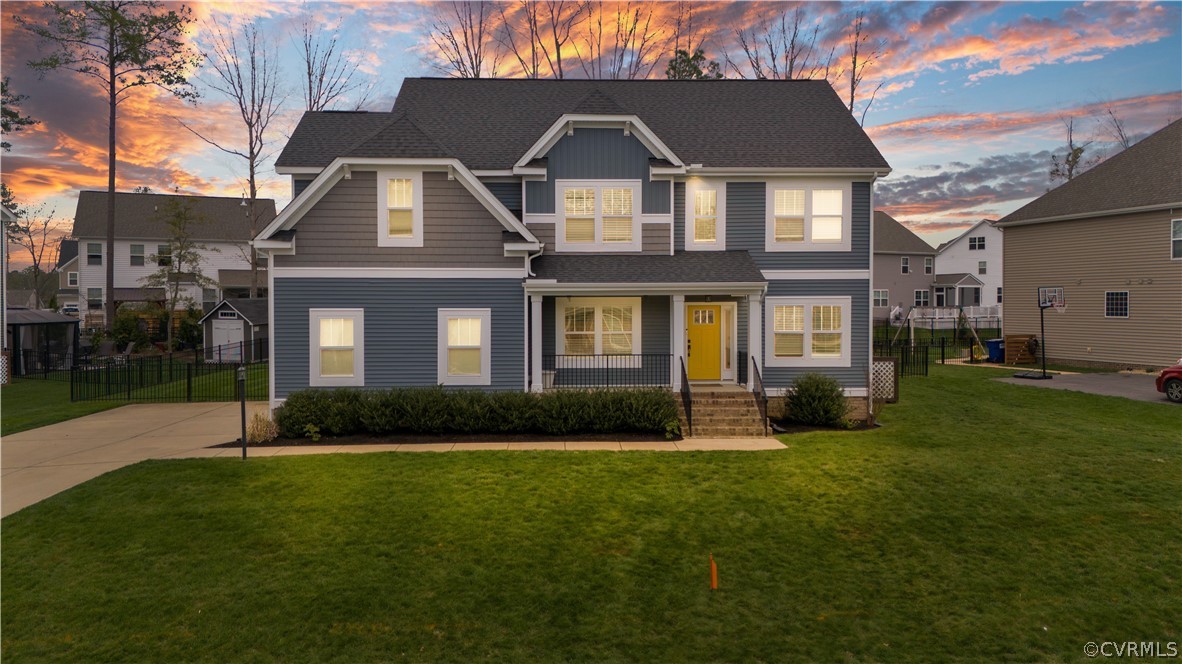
{"x": 892, "y": 237}
{"x": 222, "y": 219}
{"x": 989, "y": 224}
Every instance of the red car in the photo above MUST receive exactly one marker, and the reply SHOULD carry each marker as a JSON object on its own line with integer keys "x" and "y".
{"x": 1170, "y": 382}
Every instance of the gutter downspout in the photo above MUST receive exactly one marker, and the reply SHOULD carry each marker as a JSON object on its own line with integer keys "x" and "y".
{"x": 529, "y": 260}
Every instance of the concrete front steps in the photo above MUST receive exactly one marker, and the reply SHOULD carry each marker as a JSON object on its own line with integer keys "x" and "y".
{"x": 722, "y": 414}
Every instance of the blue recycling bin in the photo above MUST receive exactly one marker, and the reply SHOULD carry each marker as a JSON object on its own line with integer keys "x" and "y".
{"x": 997, "y": 349}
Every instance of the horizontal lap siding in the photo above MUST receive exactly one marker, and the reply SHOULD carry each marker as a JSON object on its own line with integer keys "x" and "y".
{"x": 401, "y": 321}
{"x": 853, "y": 376}
{"x": 508, "y": 193}
{"x": 341, "y": 229}
{"x": 598, "y": 154}
{"x": 745, "y": 223}
{"x": 1088, "y": 257}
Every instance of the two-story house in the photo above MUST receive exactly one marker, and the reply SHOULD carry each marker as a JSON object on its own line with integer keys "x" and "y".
{"x": 220, "y": 225}
{"x": 538, "y": 234}
{"x": 973, "y": 256}
{"x": 67, "y": 276}
{"x": 904, "y": 268}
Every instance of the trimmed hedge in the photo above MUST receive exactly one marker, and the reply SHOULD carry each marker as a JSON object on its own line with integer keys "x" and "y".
{"x": 818, "y": 400}
{"x": 435, "y": 411}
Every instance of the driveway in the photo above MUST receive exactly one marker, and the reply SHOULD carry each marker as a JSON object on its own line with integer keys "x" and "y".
{"x": 1131, "y": 386}
{"x": 39, "y": 463}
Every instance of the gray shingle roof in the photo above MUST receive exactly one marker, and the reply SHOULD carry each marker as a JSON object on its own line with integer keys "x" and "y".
{"x": 1147, "y": 174}
{"x": 139, "y": 295}
{"x": 683, "y": 267}
{"x": 67, "y": 251}
{"x": 234, "y": 278}
{"x": 491, "y": 123}
{"x": 253, "y": 310}
{"x": 142, "y": 216}
{"x": 894, "y": 238}
{"x": 956, "y": 279}
{"x": 399, "y": 136}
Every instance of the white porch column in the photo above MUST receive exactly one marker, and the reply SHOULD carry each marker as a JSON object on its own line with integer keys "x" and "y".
{"x": 535, "y": 341}
{"x": 754, "y": 337}
{"x": 678, "y": 340}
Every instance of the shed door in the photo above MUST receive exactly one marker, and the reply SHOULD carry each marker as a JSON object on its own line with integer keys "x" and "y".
{"x": 227, "y": 340}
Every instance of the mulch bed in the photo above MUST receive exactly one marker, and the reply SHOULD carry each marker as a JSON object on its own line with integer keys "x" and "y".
{"x": 364, "y": 439}
{"x": 794, "y": 427}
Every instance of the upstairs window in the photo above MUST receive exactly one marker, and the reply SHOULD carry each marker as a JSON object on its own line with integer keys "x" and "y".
{"x": 72, "y": 279}
{"x": 706, "y": 216}
{"x": 599, "y": 216}
{"x": 137, "y": 254}
{"x": 999, "y": 294}
{"x": 808, "y": 216}
{"x": 1176, "y": 238}
{"x": 929, "y": 265}
{"x": 94, "y": 298}
{"x": 400, "y": 208}
{"x": 94, "y": 253}
{"x": 808, "y": 331}
{"x": 905, "y": 265}
{"x": 163, "y": 255}
{"x": 977, "y": 243}
{"x": 981, "y": 267}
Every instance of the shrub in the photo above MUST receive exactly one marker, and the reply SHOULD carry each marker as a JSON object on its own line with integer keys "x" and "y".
{"x": 261, "y": 429}
{"x": 817, "y": 400}
{"x": 437, "y": 411}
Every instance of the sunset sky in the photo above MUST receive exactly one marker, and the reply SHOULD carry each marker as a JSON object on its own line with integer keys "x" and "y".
{"x": 968, "y": 115}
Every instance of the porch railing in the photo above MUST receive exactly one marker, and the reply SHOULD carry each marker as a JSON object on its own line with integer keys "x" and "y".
{"x": 598, "y": 371}
{"x": 759, "y": 393}
{"x": 687, "y": 400}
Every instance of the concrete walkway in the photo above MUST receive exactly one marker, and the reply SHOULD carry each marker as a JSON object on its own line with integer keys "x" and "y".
{"x": 37, "y": 464}
{"x": 1140, "y": 386}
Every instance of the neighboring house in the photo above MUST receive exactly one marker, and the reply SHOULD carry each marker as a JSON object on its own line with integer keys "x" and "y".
{"x": 529, "y": 234}
{"x": 6, "y": 217}
{"x": 976, "y": 252}
{"x": 21, "y": 298}
{"x": 142, "y": 232}
{"x": 1112, "y": 239}
{"x": 904, "y": 267}
{"x": 235, "y": 329}
{"x": 67, "y": 275}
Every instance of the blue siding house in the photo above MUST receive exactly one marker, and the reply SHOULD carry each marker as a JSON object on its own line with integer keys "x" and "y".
{"x": 535, "y": 235}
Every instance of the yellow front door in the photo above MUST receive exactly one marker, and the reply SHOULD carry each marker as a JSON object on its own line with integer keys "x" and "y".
{"x": 704, "y": 341}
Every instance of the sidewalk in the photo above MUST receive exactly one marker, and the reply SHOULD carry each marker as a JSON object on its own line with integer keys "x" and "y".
{"x": 37, "y": 464}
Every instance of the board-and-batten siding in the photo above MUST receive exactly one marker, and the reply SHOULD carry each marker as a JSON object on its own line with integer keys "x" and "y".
{"x": 508, "y": 193}
{"x": 341, "y": 229}
{"x": 597, "y": 154}
{"x": 745, "y": 224}
{"x": 401, "y": 324}
{"x": 1088, "y": 257}
{"x": 858, "y": 291}
{"x": 654, "y": 237}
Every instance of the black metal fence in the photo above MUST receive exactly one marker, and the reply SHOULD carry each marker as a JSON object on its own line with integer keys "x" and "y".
{"x": 915, "y": 356}
{"x": 592, "y": 371}
{"x": 44, "y": 364}
{"x": 175, "y": 377}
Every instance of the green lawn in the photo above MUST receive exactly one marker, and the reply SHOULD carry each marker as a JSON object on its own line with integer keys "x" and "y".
{"x": 983, "y": 522}
{"x": 31, "y": 403}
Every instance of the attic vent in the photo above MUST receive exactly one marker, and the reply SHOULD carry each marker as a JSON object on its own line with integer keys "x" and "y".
{"x": 227, "y": 314}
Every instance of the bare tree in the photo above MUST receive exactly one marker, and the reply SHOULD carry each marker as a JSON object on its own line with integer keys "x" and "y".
{"x": 561, "y": 18}
{"x": 329, "y": 75}
{"x": 36, "y": 231}
{"x": 123, "y": 45}
{"x": 862, "y": 53}
{"x": 781, "y": 47}
{"x": 535, "y": 31}
{"x": 1114, "y": 126}
{"x": 522, "y": 37}
{"x": 684, "y": 37}
{"x": 462, "y": 33}
{"x": 246, "y": 71}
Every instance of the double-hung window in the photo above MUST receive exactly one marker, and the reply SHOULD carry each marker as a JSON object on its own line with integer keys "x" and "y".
{"x": 1176, "y": 239}
{"x": 982, "y": 267}
{"x": 598, "y": 216}
{"x": 882, "y": 298}
{"x": 163, "y": 255}
{"x": 137, "y": 254}
{"x": 808, "y": 216}
{"x": 400, "y": 208}
{"x": 905, "y": 265}
{"x": 929, "y": 265}
{"x": 999, "y": 294}
{"x": 337, "y": 347}
{"x": 465, "y": 347}
{"x": 922, "y": 298}
{"x": 94, "y": 298}
{"x": 808, "y": 331}
{"x": 977, "y": 243}
{"x": 94, "y": 253}
{"x": 599, "y": 326}
{"x": 705, "y": 215}
{"x": 72, "y": 279}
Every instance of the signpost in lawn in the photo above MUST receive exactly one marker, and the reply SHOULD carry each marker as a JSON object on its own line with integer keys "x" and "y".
{"x": 1049, "y": 297}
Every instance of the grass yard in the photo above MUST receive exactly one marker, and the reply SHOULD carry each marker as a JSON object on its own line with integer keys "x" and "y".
{"x": 30, "y": 403}
{"x": 984, "y": 522}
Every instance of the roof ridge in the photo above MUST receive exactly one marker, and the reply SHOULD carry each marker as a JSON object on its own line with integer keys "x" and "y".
{"x": 399, "y": 116}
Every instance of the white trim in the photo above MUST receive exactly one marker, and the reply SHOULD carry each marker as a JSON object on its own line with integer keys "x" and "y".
{"x": 846, "y": 304}
{"x": 566, "y": 124}
{"x": 1128, "y": 303}
{"x": 904, "y": 265}
{"x": 560, "y": 305}
{"x": 800, "y": 275}
{"x": 494, "y": 173}
{"x": 298, "y": 170}
{"x": 868, "y": 173}
{"x": 1170, "y": 246}
{"x": 732, "y": 308}
{"x": 1088, "y": 215}
{"x": 534, "y": 342}
{"x": 314, "y": 377}
{"x": 398, "y": 273}
{"x": 551, "y": 287}
{"x": 874, "y": 297}
{"x": 271, "y": 329}
{"x": 275, "y": 247}
{"x": 808, "y": 186}
{"x": 598, "y": 245}
{"x": 416, "y": 182}
{"x": 692, "y": 187}
{"x": 485, "y": 376}
{"x": 75, "y": 279}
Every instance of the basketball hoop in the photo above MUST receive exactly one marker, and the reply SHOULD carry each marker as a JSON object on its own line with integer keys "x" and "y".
{"x": 1051, "y": 297}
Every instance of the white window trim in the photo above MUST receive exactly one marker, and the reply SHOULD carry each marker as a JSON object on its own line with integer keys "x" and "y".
{"x": 1128, "y": 304}
{"x": 598, "y": 246}
{"x": 921, "y": 302}
{"x": 886, "y": 296}
{"x": 982, "y": 267}
{"x": 624, "y": 361}
{"x": 904, "y": 265}
{"x": 358, "y": 377}
{"x": 769, "y": 342}
{"x": 485, "y": 376}
{"x": 72, "y": 279}
{"x": 692, "y": 186}
{"x": 1170, "y": 247}
{"x": 416, "y": 238}
{"x": 230, "y": 315}
{"x": 99, "y": 254}
{"x": 929, "y": 265}
{"x": 770, "y": 243}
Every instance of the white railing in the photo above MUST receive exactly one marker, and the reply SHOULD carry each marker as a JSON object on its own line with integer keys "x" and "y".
{"x": 953, "y": 313}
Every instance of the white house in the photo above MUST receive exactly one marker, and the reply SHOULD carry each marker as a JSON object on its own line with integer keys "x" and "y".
{"x": 142, "y": 245}
{"x": 976, "y": 253}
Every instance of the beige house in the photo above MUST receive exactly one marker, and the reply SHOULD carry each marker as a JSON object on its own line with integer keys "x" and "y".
{"x": 1112, "y": 239}
{"x": 904, "y": 268}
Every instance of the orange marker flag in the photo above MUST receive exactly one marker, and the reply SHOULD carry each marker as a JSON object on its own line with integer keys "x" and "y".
{"x": 713, "y": 574}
